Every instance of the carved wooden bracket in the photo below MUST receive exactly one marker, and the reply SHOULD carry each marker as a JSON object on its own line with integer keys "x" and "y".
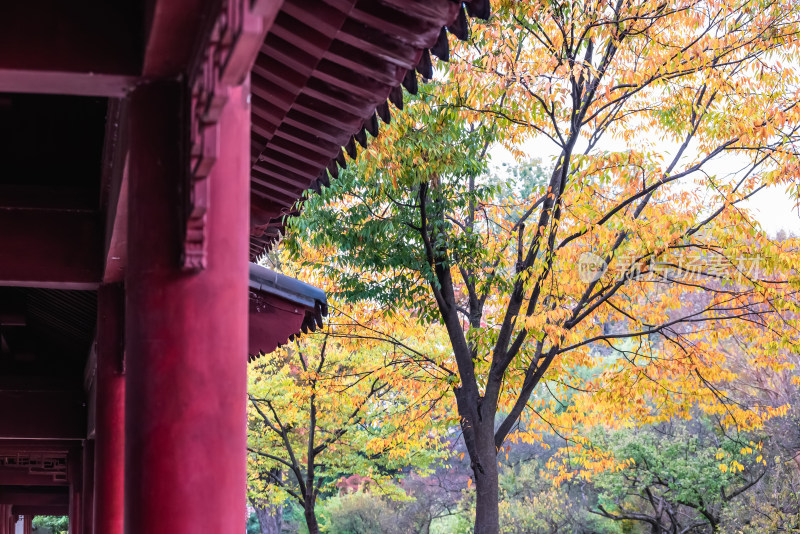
{"x": 223, "y": 60}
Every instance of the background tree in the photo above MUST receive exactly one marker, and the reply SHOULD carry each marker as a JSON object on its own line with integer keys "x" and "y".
{"x": 268, "y": 516}
{"x": 679, "y": 477}
{"x": 328, "y": 406}
{"x": 775, "y": 506}
{"x": 55, "y": 524}
{"x": 640, "y": 100}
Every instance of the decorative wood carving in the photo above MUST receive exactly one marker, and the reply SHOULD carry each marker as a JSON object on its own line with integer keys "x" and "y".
{"x": 223, "y": 60}
{"x": 48, "y": 464}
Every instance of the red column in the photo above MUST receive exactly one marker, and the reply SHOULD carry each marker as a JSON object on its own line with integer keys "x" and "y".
{"x": 87, "y": 494}
{"x": 109, "y": 454}
{"x": 75, "y": 476}
{"x": 27, "y": 524}
{"x": 186, "y": 333}
{"x": 5, "y": 513}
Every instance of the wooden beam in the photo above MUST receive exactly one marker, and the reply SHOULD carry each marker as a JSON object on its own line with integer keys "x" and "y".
{"x": 42, "y": 414}
{"x": 40, "y": 510}
{"x": 91, "y": 36}
{"x": 55, "y": 446}
{"x": 65, "y": 83}
{"x": 47, "y": 198}
{"x": 172, "y": 30}
{"x": 34, "y": 496}
{"x": 19, "y": 477}
{"x": 52, "y": 249}
{"x": 92, "y": 47}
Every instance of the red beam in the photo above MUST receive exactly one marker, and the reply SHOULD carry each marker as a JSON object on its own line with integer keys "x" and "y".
{"x": 66, "y": 198}
{"x": 14, "y": 476}
{"x": 54, "y": 249}
{"x": 90, "y": 47}
{"x": 40, "y": 510}
{"x": 172, "y": 29}
{"x": 48, "y": 496}
{"x": 54, "y": 446}
{"x": 42, "y": 415}
{"x": 91, "y": 36}
{"x": 65, "y": 83}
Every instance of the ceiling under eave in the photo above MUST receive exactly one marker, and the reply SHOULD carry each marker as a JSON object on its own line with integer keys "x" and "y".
{"x": 321, "y": 82}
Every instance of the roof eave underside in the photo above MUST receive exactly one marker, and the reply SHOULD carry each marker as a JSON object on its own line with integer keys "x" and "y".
{"x": 321, "y": 82}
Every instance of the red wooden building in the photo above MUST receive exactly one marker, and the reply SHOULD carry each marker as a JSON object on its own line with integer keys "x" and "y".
{"x": 148, "y": 150}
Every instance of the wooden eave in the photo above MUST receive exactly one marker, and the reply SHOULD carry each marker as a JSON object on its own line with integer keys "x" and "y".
{"x": 300, "y": 306}
{"x": 321, "y": 82}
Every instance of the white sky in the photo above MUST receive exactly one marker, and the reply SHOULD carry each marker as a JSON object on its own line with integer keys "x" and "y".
{"x": 772, "y": 207}
{"x": 775, "y": 210}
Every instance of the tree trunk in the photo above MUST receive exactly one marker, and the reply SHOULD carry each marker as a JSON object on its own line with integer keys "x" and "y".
{"x": 487, "y": 504}
{"x": 311, "y": 520}
{"x": 270, "y": 518}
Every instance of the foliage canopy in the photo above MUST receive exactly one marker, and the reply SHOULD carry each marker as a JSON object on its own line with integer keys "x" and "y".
{"x": 664, "y": 118}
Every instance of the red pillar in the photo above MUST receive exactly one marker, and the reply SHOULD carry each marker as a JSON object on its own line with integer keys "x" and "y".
{"x": 186, "y": 333}
{"x": 27, "y": 524}
{"x": 87, "y": 500}
{"x": 75, "y": 476}
{"x": 109, "y": 454}
{"x": 5, "y": 515}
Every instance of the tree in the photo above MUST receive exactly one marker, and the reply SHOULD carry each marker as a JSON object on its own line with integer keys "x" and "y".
{"x": 678, "y": 477}
{"x": 268, "y": 517}
{"x": 328, "y": 406}
{"x": 55, "y": 524}
{"x": 255, "y": 525}
{"x": 641, "y": 100}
